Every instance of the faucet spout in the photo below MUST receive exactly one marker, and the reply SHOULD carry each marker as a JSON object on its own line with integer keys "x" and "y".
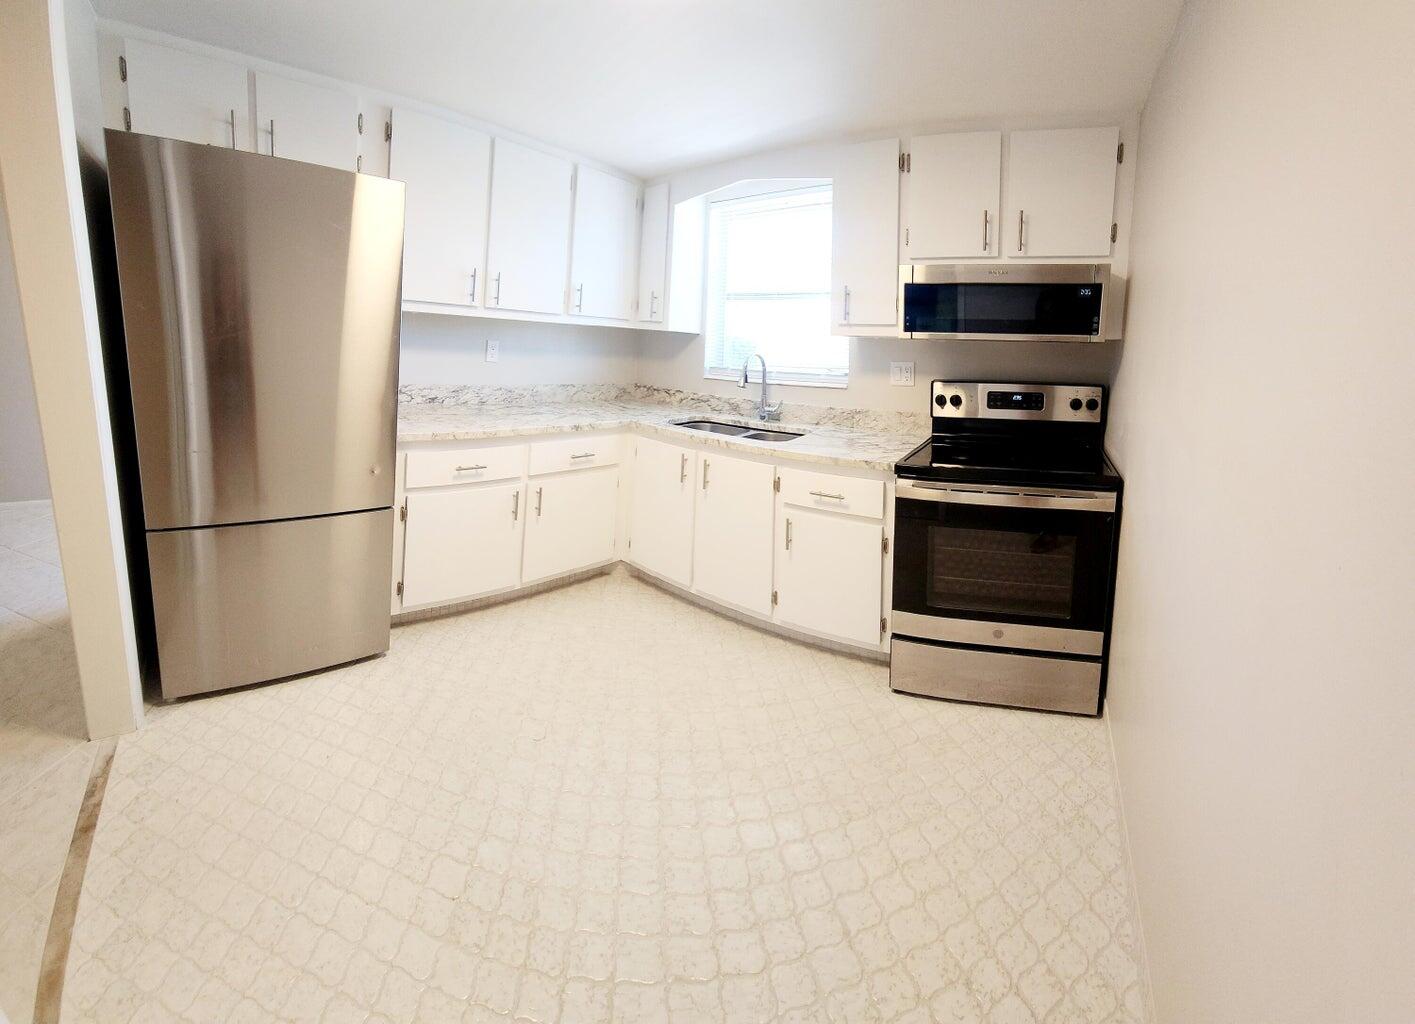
{"x": 766, "y": 412}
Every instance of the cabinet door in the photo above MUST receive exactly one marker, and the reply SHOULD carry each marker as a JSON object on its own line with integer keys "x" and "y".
{"x": 829, "y": 574}
{"x": 570, "y": 522}
{"x": 602, "y": 254}
{"x": 1060, "y": 192}
{"x": 462, "y": 542}
{"x": 954, "y": 181}
{"x": 653, "y": 254}
{"x": 661, "y": 510}
{"x": 300, "y": 121}
{"x": 529, "y": 248}
{"x": 864, "y": 262}
{"x": 732, "y": 532}
{"x": 447, "y": 170}
{"x": 180, "y": 95}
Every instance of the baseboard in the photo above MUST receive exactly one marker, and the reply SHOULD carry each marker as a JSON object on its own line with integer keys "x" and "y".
{"x": 1147, "y": 993}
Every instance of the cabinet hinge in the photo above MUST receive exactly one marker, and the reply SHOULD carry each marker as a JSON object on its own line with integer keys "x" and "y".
{"x": 403, "y": 512}
{"x": 400, "y": 588}
{"x": 901, "y": 163}
{"x": 884, "y": 546}
{"x": 387, "y": 131}
{"x": 906, "y": 163}
{"x": 361, "y": 122}
{"x": 883, "y": 627}
{"x": 776, "y": 484}
{"x": 122, "y": 69}
{"x": 127, "y": 120}
{"x": 773, "y": 597}
{"x": 906, "y": 238}
{"x": 1114, "y": 228}
{"x": 1120, "y": 153}
{"x": 359, "y": 163}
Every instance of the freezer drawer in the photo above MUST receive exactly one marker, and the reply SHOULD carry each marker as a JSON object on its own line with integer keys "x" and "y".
{"x": 242, "y": 604}
{"x": 261, "y": 315}
{"x": 992, "y": 677}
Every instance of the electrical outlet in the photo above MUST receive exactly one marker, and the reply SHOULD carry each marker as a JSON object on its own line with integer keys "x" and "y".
{"x": 493, "y": 350}
{"x": 901, "y": 375}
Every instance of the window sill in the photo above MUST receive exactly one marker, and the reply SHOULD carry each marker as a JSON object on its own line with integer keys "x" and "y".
{"x": 773, "y": 379}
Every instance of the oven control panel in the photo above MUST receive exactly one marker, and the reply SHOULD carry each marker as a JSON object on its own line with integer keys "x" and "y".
{"x": 1067, "y": 403}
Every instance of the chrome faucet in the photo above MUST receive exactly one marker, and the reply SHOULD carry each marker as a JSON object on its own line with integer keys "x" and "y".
{"x": 766, "y": 413}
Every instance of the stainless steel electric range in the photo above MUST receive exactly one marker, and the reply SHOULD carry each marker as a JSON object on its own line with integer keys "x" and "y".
{"x": 1006, "y": 524}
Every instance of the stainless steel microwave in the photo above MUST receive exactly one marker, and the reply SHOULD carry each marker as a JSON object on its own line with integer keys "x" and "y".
{"x": 1004, "y": 302}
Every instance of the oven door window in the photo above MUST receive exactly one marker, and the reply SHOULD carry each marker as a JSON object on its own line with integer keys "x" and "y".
{"x": 1039, "y": 566}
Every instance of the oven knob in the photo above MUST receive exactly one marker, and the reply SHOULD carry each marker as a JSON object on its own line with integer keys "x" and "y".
{"x": 1075, "y": 405}
{"x": 940, "y": 401}
{"x": 1092, "y": 404}
{"x": 957, "y": 401}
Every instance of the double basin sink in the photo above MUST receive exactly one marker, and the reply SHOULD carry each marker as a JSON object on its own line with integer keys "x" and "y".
{"x": 737, "y": 430}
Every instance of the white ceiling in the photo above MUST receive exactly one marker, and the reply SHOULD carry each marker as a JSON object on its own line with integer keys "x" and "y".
{"x": 654, "y": 85}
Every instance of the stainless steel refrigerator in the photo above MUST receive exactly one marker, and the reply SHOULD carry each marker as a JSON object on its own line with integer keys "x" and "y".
{"x": 260, "y": 311}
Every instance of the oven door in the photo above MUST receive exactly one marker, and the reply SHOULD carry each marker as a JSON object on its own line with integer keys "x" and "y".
{"x": 1020, "y": 569}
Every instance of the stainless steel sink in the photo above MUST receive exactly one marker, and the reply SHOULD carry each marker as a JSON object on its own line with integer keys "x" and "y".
{"x": 737, "y": 430}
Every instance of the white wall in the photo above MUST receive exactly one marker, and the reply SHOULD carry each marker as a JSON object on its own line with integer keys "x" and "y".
{"x": 439, "y": 349}
{"x": 1262, "y": 693}
{"x": 22, "y": 474}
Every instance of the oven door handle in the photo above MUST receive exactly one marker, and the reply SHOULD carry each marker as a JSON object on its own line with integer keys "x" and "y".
{"x": 1031, "y": 497}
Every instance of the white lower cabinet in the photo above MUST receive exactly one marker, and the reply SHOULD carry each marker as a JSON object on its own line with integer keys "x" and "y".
{"x": 830, "y": 574}
{"x": 661, "y": 510}
{"x": 462, "y": 542}
{"x": 570, "y": 522}
{"x": 732, "y": 531}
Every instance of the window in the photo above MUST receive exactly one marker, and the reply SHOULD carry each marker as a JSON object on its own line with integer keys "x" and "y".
{"x": 768, "y": 288}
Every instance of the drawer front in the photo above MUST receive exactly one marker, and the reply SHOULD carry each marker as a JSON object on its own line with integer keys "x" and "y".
{"x": 832, "y": 493}
{"x": 987, "y": 677}
{"x": 575, "y": 453}
{"x": 465, "y": 465}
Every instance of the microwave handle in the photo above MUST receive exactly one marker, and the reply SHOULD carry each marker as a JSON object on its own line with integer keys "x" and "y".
{"x": 1037, "y": 497}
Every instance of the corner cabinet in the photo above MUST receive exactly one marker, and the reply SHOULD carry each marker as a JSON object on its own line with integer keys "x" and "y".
{"x": 529, "y": 233}
{"x": 603, "y": 246}
{"x": 447, "y": 171}
{"x": 865, "y": 242}
{"x": 570, "y": 522}
{"x": 653, "y": 254}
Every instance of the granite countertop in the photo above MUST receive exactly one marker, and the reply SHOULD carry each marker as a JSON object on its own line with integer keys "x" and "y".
{"x": 829, "y": 443}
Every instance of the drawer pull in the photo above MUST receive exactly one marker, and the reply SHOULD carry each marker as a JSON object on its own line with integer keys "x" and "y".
{"x": 823, "y": 494}
{"x": 584, "y": 455}
{"x": 788, "y": 534}
{"x": 515, "y": 504}
{"x": 682, "y": 467}
{"x": 468, "y": 469}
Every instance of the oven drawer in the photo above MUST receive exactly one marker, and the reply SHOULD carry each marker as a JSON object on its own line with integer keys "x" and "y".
{"x": 987, "y": 677}
{"x": 858, "y": 497}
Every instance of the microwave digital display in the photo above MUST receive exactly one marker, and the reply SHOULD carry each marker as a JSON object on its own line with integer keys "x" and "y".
{"x": 990, "y": 308}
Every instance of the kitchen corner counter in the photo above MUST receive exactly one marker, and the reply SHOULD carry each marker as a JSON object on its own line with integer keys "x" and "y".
{"x": 828, "y": 444}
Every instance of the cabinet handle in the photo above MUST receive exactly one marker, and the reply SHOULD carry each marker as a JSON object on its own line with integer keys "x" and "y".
{"x": 272, "y": 136}
{"x": 653, "y": 301}
{"x": 515, "y": 504}
{"x": 468, "y": 469}
{"x": 233, "y": 127}
{"x": 846, "y": 317}
{"x": 474, "y": 284}
{"x": 683, "y": 467}
{"x": 580, "y": 298}
{"x": 497, "y": 297}
{"x": 788, "y": 535}
{"x": 584, "y": 455}
{"x": 823, "y": 494}
{"x": 539, "y": 495}
{"x": 985, "y": 231}
{"x": 705, "y": 466}
{"x": 1020, "y": 215}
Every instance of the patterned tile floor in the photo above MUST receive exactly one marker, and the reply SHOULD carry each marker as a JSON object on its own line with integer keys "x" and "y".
{"x": 44, "y": 759}
{"x": 604, "y": 803}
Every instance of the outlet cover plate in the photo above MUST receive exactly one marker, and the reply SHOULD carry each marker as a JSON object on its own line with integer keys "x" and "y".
{"x": 901, "y": 375}
{"x": 493, "y": 350}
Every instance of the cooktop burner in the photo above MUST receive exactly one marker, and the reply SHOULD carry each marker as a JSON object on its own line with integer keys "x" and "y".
{"x": 1044, "y": 435}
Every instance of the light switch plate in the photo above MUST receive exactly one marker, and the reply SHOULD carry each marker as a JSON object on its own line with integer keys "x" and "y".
{"x": 901, "y": 375}
{"x": 493, "y": 350}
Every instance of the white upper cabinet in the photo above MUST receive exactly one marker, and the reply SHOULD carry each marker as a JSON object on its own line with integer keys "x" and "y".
{"x": 653, "y": 254}
{"x": 732, "y": 532}
{"x": 865, "y": 234}
{"x": 180, "y": 95}
{"x": 300, "y": 121}
{"x": 529, "y": 247}
{"x": 661, "y": 510}
{"x": 605, "y": 237}
{"x": 447, "y": 168}
{"x": 953, "y": 199}
{"x": 1060, "y": 192}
